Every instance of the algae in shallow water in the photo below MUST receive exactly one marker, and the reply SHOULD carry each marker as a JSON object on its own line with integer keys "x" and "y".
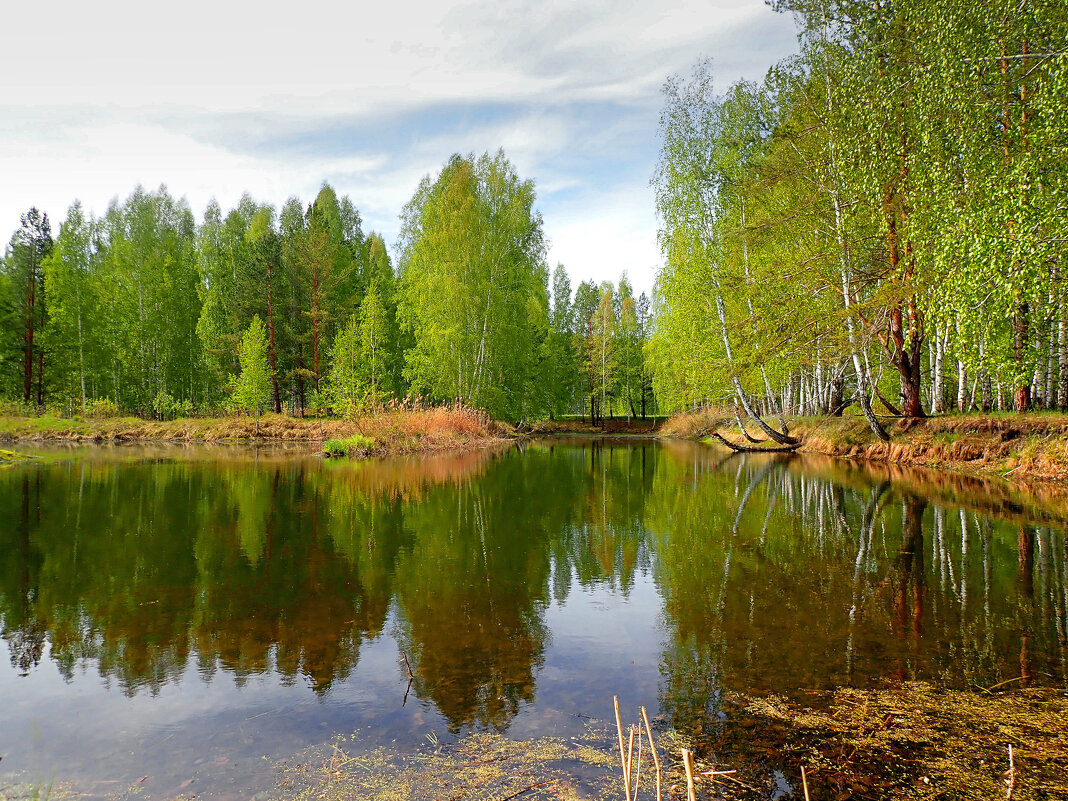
{"x": 919, "y": 741}
{"x": 476, "y": 768}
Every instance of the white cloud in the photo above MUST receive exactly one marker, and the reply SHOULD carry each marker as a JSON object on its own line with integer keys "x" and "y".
{"x": 616, "y": 234}
{"x": 215, "y": 98}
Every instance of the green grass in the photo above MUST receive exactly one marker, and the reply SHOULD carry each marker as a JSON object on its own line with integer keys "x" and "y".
{"x": 348, "y": 446}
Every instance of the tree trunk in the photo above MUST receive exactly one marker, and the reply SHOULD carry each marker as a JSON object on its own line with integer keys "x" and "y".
{"x": 741, "y": 427}
{"x": 1062, "y": 349}
{"x": 938, "y": 404}
{"x": 1021, "y": 323}
{"x": 40, "y": 376}
{"x": 906, "y": 356}
{"x": 904, "y": 346}
{"x": 315, "y": 310}
{"x": 837, "y": 404}
{"x": 27, "y": 366}
{"x": 1051, "y": 362}
{"x": 782, "y": 439}
{"x": 270, "y": 330}
{"x": 81, "y": 354}
{"x": 300, "y": 386}
{"x": 818, "y": 407}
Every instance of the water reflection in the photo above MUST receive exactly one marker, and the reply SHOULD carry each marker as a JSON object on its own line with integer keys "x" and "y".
{"x": 773, "y": 574}
{"x": 780, "y": 575}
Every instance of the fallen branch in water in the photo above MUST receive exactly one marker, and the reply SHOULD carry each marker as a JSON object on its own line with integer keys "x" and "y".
{"x": 750, "y": 449}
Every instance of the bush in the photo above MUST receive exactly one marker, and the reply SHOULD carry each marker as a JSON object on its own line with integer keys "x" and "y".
{"x": 101, "y": 407}
{"x": 17, "y": 408}
{"x": 163, "y": 406}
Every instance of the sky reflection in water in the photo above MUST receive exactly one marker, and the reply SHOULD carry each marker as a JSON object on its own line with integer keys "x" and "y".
{"x": 183, "y": 614}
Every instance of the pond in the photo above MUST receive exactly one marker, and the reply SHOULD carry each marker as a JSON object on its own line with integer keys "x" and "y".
{"x": 178, "y": 620}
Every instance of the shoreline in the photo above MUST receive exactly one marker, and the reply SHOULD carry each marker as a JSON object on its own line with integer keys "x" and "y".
{"x": 1025, "y": 448}
{"x": 1021, "y": 449}
{"x": 389, "y": 433}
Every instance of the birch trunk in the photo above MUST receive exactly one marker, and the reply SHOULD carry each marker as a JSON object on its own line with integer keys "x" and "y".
{"x": 782, "y": 439}
{"x": 938, "y": 403}
{"x": 1062, "y": 350}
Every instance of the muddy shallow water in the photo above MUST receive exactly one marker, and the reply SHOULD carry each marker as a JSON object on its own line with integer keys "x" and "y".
{"x": 194, "y": 615}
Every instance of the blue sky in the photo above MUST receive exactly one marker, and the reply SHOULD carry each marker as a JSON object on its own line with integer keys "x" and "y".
{"x": 216, "y": 98}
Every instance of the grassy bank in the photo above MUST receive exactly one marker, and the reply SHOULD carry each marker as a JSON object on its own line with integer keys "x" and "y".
{"x": 1025, "y": 446}
{"x": 391, "y": 431}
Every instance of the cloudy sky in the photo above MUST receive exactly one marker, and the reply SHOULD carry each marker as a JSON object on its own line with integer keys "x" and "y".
{"x": 217, "y": 98}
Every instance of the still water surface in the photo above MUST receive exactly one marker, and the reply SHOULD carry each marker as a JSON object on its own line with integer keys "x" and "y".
{"x": 195, "y": 615}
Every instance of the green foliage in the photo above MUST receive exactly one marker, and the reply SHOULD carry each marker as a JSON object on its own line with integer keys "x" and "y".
{"x": 252, "y": 388}
{"x": 474, "y": 286}
{"x": 348, "y": 446}
{"x": 897, "y": 186}
{"x": 344, "y": 385}
{"x": 102, "y": 408}
{"x": 164, "y": 406}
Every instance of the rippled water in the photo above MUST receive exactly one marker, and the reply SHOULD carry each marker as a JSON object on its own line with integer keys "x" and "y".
{"x": 183, "y": 613}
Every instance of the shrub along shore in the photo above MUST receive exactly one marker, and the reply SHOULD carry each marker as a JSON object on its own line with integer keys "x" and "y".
{"x": 390, "y": 431}
{"x": 1017, "y": 446}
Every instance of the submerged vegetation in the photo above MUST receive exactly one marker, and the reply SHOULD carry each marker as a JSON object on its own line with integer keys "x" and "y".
{"x": 481, "y": 767}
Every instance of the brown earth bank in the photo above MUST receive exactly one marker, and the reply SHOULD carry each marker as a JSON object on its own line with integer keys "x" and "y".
{"x": 390, "y": 431}
{"x": 1019, "y": 446}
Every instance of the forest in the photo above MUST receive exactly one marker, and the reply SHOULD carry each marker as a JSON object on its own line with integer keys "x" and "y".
{"x": 880, "y": 222}
{"x": 297, "y": 310}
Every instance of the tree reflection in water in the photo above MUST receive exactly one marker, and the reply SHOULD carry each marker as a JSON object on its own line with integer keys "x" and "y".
{"x": 775, "y": 574}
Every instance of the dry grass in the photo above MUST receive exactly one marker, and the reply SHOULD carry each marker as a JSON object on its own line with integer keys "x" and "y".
{"x": 414, "y": 428}
{"x": 696, "y": 425}
{"x": 1028, "y": 446}
{"x": 1025, "y": 446}
{"x": 404, "y": 428}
